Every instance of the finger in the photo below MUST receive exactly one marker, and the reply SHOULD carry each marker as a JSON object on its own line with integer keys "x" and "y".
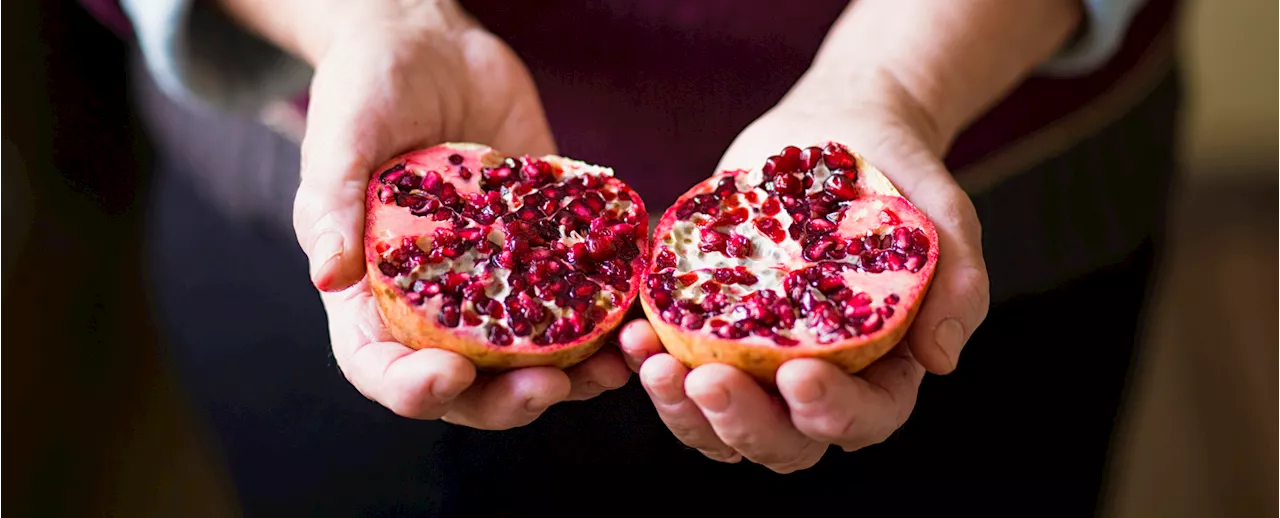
{"x": 750, "y": 420}
{"x": 510, "y": 399}
{"x": 830, "y": 406}
{"x": 959, "y": 297}
{"x": 663, "y": 378}
{"x": 638, "y": 342}
{"x": 604, "y": 370}
{"x": 416, "y": 384}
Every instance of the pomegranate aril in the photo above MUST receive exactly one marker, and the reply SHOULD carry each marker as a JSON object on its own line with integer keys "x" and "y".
{"x": 852, "y": 312}
{"x": 661, "y": 299}
{"x": 836, "y": 158}
{"x": 914, "y": 262}
{"x": 840, "y": 186}
{"x": 724, "y": 275}
{"x": 392, "y": 174}
{"x": 902, "y": 239}
{"x": 666, "y": 259}
{"x": 885, "y": 312}
{"x": 872, "y": 324}
{"x": 771, "y": 207}
{"x": 409, "y": 200}
{"x": 787, "y": 183}
{"x": 818, "y": 249}
{"x": 893, "y": 261}
{"x": 600, "y": 248}
{"x": 713, "y": 241}
{"x": 785, "y": 341}
{"x": 687, "y": 279}
{"x": 919, "y": 242}
{"x": 388, "y": 269}
{"x": 449, "y": 316}
{"x": 692, "y": 321}
{"x": 820, "y": 226}
{"x": 809, "y": 158}
{"x": 738, "y": 247}
{"x": 771, "y": 229}
{"x": 414, "y": 298}
{"x": 726, "y": 187}
{"x": 711, "y": 287}
{"x": 432, "y": 182}
{"x": 742, "y": 276}
{"x": 830, "y": 285}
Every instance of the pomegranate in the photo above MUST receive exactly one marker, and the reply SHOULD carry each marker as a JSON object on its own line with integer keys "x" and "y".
{"x": 510, "y": 261}
{"x": 815, "y": 254}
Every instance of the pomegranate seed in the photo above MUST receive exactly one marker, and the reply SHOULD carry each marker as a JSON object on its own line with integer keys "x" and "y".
{"x": 872, "y": 324}
{"x": 692, "y": 321}
{"x": 885, "y": 312}
{"x": 387, "y": 194}
{"x": 713, "y": 241}
{"x": 914, "y": 262}
{"x": 470, "y": 318}
{"x": 785, "y": 341}
{"x": 788, "y": 184}
{"x": 742, "y": 276}
{"x": 455, "y": 159}
{"x": 449, "y": 316}
{"x": 392, "y": 174}
{"x": 715, "y": 302}
{"x": 595, "y": 201}
{"x": 836, "y": 158}
{"x": 919, "y": 242}
{"x": 409, "y": 200}
{"x": 818, "y": 249}
{"x": 738, "y": 247}
{"x": 726, "y": 187}
{"x": 840, "y": 186}
{"x": 687, "y": 279}
{"x": 600, "y": 248}
{"x": 661, "y": 299}
{"x": 715, "y": 322}
{"x": 724, "y": 275}
{"x": 733, "y": 331}
{"x": 499, "y": 335}
{"x": 772, "y": 166}
{"x": 790, "y": 159}
{"x": 624, "y": 230}
{"x": 902, "y": 239}
{"x": 820, "y": 226}
{"x": 771, "y": 207}
{"x": 711, "y": 287}
{"x": 826, "y": 317}
{"x": 414, "y": 298}
{"x": 830, "y": 285}
{"x": 894, "y": 261}
{"x": 857, "y": 312}
{"x": 771, "y": 229}
{"x": 809, "y": 158}
{"x": 666, "y": 258}
{"x": 432, "y": 182}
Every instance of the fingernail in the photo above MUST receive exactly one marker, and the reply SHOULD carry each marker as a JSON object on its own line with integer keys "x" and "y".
{"x": 327, "y": 249}
{"x": 808, "y": 392}
{"x": 950, "y": 337}
{"x": 665, "y": 392}
{"x": 715, "y": 400}
{"x": 533, "y": 406}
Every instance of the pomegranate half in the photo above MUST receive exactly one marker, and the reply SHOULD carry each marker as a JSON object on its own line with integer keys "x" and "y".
{"x": 815, "y": 254}
{"x": 510, "y": 261}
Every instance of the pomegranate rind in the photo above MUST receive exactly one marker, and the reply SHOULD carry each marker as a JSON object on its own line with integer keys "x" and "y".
{"x": 416, "y": 326}
{"x": 694, "y": 348}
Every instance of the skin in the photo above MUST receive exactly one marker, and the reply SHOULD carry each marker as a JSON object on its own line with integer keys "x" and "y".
{"x": 381, "y": 89}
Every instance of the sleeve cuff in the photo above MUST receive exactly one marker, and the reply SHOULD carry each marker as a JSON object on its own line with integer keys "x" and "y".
{"x": 198, "y": 55}
{"x": 1105, "y": 24}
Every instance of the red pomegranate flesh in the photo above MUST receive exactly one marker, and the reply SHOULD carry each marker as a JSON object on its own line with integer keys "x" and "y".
{"x": 815, "y": 254}
{"x": 510, "y": 261}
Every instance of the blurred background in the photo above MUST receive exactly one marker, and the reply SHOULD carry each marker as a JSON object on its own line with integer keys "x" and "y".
{"x": 101, "y": 430}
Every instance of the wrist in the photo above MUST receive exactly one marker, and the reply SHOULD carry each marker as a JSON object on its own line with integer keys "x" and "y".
{"x": 870, "y": 93}
{"x": 308, "y": 28}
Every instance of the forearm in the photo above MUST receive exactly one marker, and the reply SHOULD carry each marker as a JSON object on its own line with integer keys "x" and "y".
{"x": 945, "y": 61}
{"x": 305, "y": 28}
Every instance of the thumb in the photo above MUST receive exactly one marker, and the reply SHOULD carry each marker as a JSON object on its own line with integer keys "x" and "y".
{"x": 328, "y": 212}
{"x": 959, "y": 298}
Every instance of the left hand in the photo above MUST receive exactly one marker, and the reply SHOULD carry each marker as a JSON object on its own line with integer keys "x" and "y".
{"x": 723, "y": 412}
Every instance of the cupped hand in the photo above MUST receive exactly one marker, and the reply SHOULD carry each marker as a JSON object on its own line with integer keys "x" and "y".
{"x": 388, "y": 84}
{"x": 726, "y": 414}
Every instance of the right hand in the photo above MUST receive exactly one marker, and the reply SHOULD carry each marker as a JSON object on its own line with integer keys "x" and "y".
{"x": 389, "y": 80}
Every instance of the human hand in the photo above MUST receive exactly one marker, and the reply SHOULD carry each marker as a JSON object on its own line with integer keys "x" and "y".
{"x": 389, "y": 79}
{"x": 723, "y": 412}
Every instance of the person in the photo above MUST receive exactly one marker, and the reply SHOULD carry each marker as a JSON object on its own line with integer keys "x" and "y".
{"x": 1050, "y": 122}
